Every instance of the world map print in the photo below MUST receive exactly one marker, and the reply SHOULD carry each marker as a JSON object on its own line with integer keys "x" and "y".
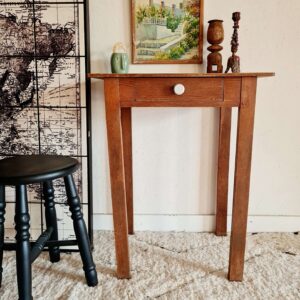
{"x": 43, "y": 97}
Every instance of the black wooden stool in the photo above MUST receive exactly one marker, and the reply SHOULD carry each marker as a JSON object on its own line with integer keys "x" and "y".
{"x": 23, "y": 170}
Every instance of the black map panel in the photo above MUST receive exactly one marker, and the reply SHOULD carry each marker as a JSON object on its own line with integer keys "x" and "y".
{"x": 43, "y": 96}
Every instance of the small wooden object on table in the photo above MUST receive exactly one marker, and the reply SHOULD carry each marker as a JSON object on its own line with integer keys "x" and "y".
{"x": 215, "y": 36}
{"x": 233, "y": 63}
{"x": 124, "y": 91}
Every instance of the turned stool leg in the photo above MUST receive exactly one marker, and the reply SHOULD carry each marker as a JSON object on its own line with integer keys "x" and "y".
{"x": 81, "y": 232}
{"x": 2, "y": 219}
{"x": 51, "y": 220}
{"x": 22, "y": 219}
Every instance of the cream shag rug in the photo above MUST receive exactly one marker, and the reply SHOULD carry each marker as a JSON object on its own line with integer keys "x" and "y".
{"x": 170, "y": 266}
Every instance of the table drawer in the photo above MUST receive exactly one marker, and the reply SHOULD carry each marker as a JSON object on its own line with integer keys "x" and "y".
{"x": 203, "y": 90}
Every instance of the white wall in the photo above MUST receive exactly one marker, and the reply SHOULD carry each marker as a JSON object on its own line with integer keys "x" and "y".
{"x": 174, "y": 149}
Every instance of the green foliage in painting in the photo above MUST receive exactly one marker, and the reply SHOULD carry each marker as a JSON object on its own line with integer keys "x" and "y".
{"x": 151, "y": 12}
{"x": 176, "y": 52}
{"x": 173, "y": 22}
{"x": 141, "y": 14}
{"x": 162, "y": 55}
{"x": 192, "y": 31}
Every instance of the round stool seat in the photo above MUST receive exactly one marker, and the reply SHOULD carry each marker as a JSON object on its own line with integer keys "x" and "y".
{"x": 35, "y": 168}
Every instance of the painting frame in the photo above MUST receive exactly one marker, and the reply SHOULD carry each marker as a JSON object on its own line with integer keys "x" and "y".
{"x": 193, "y": 60}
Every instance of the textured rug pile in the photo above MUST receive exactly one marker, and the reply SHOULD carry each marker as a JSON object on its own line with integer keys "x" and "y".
{"x": 170, "y": 266}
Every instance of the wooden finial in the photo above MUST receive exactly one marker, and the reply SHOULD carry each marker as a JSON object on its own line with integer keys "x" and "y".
{"x": 234, "y": 60}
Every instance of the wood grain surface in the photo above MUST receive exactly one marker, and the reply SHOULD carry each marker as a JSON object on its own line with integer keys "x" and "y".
{"x": 117, "y": 175}
{"x": 242, "y": 179}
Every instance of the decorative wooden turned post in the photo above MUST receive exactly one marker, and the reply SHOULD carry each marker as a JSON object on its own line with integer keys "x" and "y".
{"x": 234, "y": 60}
{"x": 215, "y": 36}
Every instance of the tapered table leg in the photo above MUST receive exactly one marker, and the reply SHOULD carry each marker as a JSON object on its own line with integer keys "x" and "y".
{"x": 242, "y": 179}
{"x": 223, "y": 171}
{"x": 117, "y": 175}
{"x": 127, "y": 154}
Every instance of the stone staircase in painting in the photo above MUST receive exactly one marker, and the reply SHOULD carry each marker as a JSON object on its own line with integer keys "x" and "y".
{"x": 151, "y": 47}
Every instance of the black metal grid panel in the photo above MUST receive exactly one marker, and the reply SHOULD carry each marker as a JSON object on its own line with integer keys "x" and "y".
{"x": 45, "y": 98}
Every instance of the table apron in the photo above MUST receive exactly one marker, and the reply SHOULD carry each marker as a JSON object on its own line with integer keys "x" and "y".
{"x": 199, "y": 92}
{"x": 176, "y": 104}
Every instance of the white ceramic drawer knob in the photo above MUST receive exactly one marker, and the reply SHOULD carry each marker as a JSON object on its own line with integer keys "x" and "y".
{"x": 179, "y": 89}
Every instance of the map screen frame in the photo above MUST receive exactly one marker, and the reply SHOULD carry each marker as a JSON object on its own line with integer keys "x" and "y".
{"x": 45, "y": 101}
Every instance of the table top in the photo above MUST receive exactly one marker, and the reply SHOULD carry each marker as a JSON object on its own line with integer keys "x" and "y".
{"x": 179, "y": 75}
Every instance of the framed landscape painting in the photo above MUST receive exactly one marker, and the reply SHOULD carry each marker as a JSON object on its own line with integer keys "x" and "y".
{"x": 167, "y": 31}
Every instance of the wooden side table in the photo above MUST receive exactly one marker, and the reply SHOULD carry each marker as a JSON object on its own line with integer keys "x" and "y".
{"x": 224, "y": 91}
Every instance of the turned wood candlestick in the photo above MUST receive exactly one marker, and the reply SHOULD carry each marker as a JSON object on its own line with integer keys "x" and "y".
{"x": 215, "y": 36}
{"x": 233, "y": 63}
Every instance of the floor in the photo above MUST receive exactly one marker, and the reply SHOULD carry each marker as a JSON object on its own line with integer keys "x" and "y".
{"x": 170, "y": 266}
